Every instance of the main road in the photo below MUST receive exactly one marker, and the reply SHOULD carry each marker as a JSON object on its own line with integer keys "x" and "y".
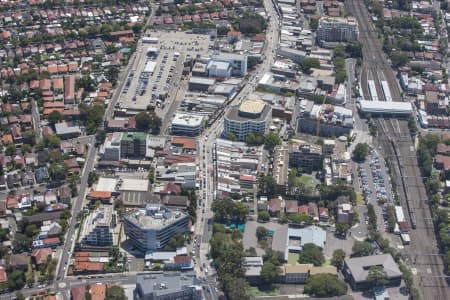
{"x": 398, "y": 147}
{"x": 206, "y": 149}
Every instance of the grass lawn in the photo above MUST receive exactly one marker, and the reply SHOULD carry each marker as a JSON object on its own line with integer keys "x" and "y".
{"x": 359, "y": 199}
{"x": 327, "y": 263}
{"x": 307, "y": 181}
{"x": 292, "y": 258}
{"x": 255, "y": 292}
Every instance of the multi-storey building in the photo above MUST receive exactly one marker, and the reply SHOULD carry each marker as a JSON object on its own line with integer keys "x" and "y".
{"x": 151, "y": 228}
{"x": 335, "y": 29}
{"x": 133, "y": 144}
{"x": 250, "y": 116}
{"x": 97, "y": 230}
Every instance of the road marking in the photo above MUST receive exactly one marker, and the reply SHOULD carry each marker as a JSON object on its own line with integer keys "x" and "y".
{"x": 429, "y": 271}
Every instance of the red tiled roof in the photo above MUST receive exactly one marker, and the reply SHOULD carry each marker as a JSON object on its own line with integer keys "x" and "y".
{"x": 78, "y": 293}
{"x": 98, "y": 292}
{"x": 3, "y": 276}
{"x": 185, "y": 142}
{"x": 291, "y": 206}
{"x": 100, "y": 194}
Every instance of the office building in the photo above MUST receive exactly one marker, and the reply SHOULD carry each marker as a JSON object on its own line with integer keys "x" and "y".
{"x": 220, "y": 69}
{"x": 110, "y": 150}
{"x": 250, "y": 116}
{"x": 238, "y": 62}
{"x": 295, "y": 55}
{"x": 187, "y": 124}
{"x": 335, "y": 29}
{"x": 305, "y": 156}
{"x": 168, "y": 286}
{"x": 150, "y": 228}
{"x": 356, "y": 270}
{"x": 97, "y": 229}
{"x": 133, "y": 144}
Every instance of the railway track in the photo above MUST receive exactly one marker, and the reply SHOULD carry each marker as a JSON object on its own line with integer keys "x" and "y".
{"x": 398, "y": 148}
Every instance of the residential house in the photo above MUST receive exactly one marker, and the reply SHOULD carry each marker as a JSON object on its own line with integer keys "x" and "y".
{"x": 65, "y": 194}
{"x": 3, "y": 276}
{"x": 19, "y": 261}
{"x": 40, "y": 256}
{"x": 275, "y": 207}
{"x": 78, "y": 293}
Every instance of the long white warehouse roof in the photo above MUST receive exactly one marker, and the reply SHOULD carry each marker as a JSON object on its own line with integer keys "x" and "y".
{"x": 385, "y": 107}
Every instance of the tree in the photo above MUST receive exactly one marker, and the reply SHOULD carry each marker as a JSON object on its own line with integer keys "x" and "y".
{"x": 325, "y": 285}
{"x": 377, "y": 277}
{"x": 271, "y": 140}
{"x": 361, "y": 249}
{"x": 354, "y": 49}
{"x": 55, "y": 117}
{"x": 92, "y": 177}
{"x": 20, "y": 296}
{"x": 148, "y": 121}
{"x": 10, "y": 149}
{"x": 308, "y": 63}
{"x": 21, "y": 243}
{"x": 52, "y": 141}
{"x": 399, "y": 59}
{"x": 26, "y": 148}
{"x": 360, "y": 152}
{"x": 263, "y": 216}
{"x": 412, "y": 125}
{"x": 269, "y": 274}
{"x": 143, "y": 121}
{"x": 228, "y": 211}
{"x": 275, "y": 257}
{"x": 115, "y": 293}
{"x": 261, "y": 233}
{"x": 252, "y": 61}
{"x": 255, "y": 139}
{"x": 267, "y": 186}
{"x": 231, "y": 136}
{"x": 16, "y": 280}
{"x": 311, "y": 254}
{"x": 342, "y": 229}
{"x": 338, "y": 258}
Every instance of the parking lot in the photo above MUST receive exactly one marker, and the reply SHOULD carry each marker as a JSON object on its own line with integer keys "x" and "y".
{"x": 375, "y": 182}
{"x": 154, "y": 79}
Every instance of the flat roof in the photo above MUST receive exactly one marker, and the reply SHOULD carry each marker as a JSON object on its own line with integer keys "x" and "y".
{"x": 160, "y": 284}
{"x": 359, "y": 266}
{"x": 386, "y": 107}
{"x": 202, "y": 80}
{"x": 106, "y": 184}
{"x": 187, "y": 120}
{"x": 154, "y": 217}
{"x": 138, "y": 185}
{"x": 129, "y": 136}
{"x": 252, "y": 106}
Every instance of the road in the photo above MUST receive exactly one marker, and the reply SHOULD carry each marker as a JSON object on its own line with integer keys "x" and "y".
{"x": 76, "y": 207}
{"x": 398, "y": 147}
{"x": 36, "y": 120}
{"x": 206, "y": 152}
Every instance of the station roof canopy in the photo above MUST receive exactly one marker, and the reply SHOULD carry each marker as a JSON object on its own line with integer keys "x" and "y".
{"x": 383, "y": 107}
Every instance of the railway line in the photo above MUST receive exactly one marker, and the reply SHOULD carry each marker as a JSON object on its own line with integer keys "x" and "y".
{"x": 398, "y": 147}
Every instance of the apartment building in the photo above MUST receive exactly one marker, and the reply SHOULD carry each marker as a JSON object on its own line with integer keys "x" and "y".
{"x": 336, "y": 29}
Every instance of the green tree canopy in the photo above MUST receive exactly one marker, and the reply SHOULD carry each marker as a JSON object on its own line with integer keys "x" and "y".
{"x": 263, "y": 216}
{"x": 148, "y": 121}
{"x": 255, "y": 139}
{"x": 261, "y": 233}
{"x": 362, "y": 249}
{"x": 115, "y": 293}
{"x": 360, "y": 152}
{"x": 342, "y": 229}
{"x": 325, "y": 285}
{"x": 338, "y": 258}
{"x": 377, "y": 277}
{"x": 269, "y": 275}
{"x": 309, "y": 63}
{"x": 311, "y": 254}
{"x": 16, "y": 280}
{"x": 228, "y": 211}
{"x": 271, "y": 140}
{"x": 55, "y": 117}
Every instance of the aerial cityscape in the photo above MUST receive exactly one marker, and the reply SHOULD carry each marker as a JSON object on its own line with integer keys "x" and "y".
{"x": 224, "y": 149}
